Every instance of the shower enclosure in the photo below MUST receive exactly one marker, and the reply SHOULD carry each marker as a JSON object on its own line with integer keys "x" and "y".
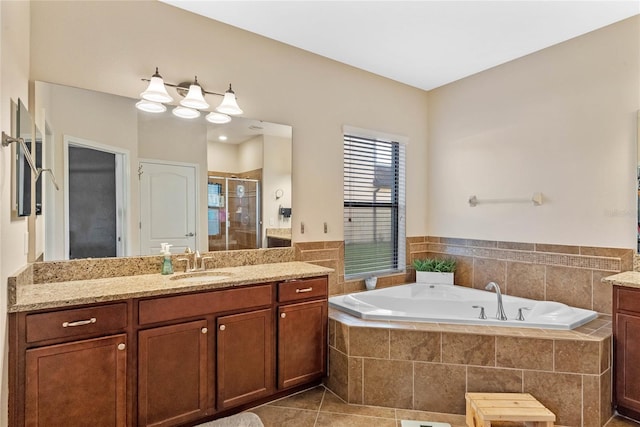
{"x": 233, "y": 213}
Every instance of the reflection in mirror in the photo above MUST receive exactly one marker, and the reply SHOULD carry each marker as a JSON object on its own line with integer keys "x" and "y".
{"x": 167, "y": 162}
{"x": 638, "y": 175}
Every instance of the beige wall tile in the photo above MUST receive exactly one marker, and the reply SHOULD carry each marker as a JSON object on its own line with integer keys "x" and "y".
{"x": 342, "y": 337}
{"x": 332, "y": 332}
{"x": 602, "y": 293}
{"x": 468, "y": 349}
{"x": 463, "y": 275}
{"x": 581, "y": 357}
{"x": 518, "y": 246}
{"x": 439, "y": 388}
{"x": 493, "y": 380}
{"x": 489, "y": 270}
{"x": 524, "y": 353}
{"x": 337, "y": 380}
{"x": 355, "y": 381}
{"x": 606, "y": 406}
{"x": 388, "y": 383}
{"x": 561, "y": 393}
{"x": 569, "y": 285}
{"x": 562, "y": 249}
{"x": 369, "y": 342}
{"x": 525, "y": 280}
{"x": 606, "y": 352}
{"x": 591, "y": 401}
{"x": 415, "y": 345}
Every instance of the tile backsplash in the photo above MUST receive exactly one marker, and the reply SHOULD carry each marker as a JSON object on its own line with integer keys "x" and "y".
{"x": 563, "y": 273}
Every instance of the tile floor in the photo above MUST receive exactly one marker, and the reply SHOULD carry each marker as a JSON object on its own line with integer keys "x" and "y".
{"x": 319, "y": 407}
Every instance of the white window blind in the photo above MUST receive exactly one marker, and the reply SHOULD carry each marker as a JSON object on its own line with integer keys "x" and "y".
{"x": 374, "y": 203}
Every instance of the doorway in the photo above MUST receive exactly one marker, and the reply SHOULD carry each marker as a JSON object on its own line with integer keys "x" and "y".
{"x": 95, "y": 207}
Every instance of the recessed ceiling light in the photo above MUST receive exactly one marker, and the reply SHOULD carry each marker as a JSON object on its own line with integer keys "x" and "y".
{"x": 222, "y": 138}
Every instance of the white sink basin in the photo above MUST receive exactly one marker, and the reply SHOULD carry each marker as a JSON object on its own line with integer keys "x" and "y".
{"x": 201, "y": 277}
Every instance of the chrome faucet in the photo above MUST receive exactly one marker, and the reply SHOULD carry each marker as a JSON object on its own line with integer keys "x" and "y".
{"x": 500, "y": 313}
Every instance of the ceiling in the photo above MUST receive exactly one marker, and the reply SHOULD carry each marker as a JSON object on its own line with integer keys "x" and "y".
{"x": 425, "y": 44}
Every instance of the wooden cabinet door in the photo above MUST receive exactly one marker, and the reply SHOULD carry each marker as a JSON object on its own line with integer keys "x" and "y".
{"x": 627, "y": 355}
{"x": 172, "y": 374}
{"x": 302, "y": 342}
{"x": 77, "y": 384}
{"x": 245, "y": 357}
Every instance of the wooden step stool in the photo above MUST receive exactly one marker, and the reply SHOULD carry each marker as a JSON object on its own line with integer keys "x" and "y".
{"x": 483, "y": 408}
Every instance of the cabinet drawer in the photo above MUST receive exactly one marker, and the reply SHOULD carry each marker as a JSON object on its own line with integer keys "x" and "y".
{"x": 628, "y": 299}
{"x": 302, "y": 289}
{"x": 202, "y": 304}
{"x": 76, "y": 322}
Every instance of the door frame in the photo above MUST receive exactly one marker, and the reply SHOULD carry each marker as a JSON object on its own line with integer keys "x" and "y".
{"x": 197, "y": 196}
{"x": 123, "y": 190}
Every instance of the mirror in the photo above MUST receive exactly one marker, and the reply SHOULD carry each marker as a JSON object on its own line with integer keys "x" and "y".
{"x": 24, "y": 128}
{"x": 163, "y": 166}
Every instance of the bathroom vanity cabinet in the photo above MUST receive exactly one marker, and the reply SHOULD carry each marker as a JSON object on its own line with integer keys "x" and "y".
{"x": 626, "y": 330}
{"x": 167, "y": 360}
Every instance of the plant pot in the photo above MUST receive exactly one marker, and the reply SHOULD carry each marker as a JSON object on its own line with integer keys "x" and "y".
{"x": 434, "y": 277}
{"x": 370, "y": 283}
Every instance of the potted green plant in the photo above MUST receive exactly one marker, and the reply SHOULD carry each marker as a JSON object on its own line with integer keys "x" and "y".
{"x": 433, "y": 270}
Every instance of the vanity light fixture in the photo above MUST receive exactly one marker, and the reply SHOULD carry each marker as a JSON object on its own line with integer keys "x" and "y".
{"x": 185, "y": 112}
{"x": 156, "y": 95}
{"x": 218, "y": 118}
{"x": 150, "y": 106}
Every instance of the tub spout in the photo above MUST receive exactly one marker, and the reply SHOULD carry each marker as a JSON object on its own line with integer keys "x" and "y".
{"x": 500, "y": 313}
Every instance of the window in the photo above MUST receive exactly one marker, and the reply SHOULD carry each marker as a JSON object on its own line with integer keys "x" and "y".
{"x": 374, "y": 187}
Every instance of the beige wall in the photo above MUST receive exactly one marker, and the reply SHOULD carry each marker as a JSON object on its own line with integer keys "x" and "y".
{"x": 561, "y": 121}
{"x": 14, "y": 75}
{"x": 110, "y": 46}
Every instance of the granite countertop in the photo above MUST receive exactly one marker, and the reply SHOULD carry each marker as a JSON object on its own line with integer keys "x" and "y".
{"x": 28, "y": 297}
{"x": 629, "y": 279}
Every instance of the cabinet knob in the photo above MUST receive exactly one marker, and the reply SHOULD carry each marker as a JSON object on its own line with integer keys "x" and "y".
{"x": 283, "y": 315}
{"x": 204, "y": 330}
{"x": 121, "y": 346}
{"x": 222, "y": 327}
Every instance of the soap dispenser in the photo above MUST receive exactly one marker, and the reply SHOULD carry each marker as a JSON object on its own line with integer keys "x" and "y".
{"x": 167, "y": 266}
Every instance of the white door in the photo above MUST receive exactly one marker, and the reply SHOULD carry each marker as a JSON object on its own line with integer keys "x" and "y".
{"x": 167, "y": 207}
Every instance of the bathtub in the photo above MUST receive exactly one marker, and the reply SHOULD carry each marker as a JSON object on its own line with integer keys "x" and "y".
{"x": 423, "y": 302}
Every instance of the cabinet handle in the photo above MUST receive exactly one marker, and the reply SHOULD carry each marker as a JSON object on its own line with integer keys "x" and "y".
{"x": 222, "y": 327}
{"x": 204, "y": 330}
{"x": 79, "y": 323}
{"x": 283, "y": 315}
{"x": 301, "y": 291}
{"x": 121, "y": 346}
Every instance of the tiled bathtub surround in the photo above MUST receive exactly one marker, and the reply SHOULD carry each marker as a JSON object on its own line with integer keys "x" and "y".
{"x": 568, "y": 274}
{"x": 429, "y": 367}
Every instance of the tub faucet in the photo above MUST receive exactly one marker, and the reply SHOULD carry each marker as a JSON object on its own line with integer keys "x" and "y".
{"x": 500, "y": 313}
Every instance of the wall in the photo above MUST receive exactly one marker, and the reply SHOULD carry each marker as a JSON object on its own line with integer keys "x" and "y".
{"x": 14, "y": 75}
{"x": 276, "y": 175}
{"x": 110, "y": 46}
{"x": 561, "y": 121}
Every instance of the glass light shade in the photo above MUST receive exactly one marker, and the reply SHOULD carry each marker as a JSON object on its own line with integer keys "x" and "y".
{"x": 229, "y": 105}
{"x": 185, "y": 113}
{"x": 150, "y": 106}
{"x": 217, "y": 118}
{"x": 194, "y": 98}
{"x": 156, "y": 91}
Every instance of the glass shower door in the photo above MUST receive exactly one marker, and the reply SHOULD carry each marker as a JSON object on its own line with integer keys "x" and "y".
{"x": 234, "y": 213}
